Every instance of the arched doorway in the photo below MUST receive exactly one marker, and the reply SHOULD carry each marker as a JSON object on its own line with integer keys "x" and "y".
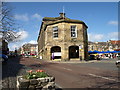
{"x": 73, "y": 52}
{"x": 56, "y": 52}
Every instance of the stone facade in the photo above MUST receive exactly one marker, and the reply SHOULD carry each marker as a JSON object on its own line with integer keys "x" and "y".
{"x": 64, "y": 46}
{"x": 110, "y": 45}
{"x": 29, "y": 49}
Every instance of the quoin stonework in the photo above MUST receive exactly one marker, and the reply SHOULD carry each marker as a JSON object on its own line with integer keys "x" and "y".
{"x": 63, "y": 38}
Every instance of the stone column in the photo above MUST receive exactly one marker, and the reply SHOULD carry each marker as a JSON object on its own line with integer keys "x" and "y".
{"x": 48, "y": 53}
{"x": 64, "y": 53}
{"x": 82, "y": 53}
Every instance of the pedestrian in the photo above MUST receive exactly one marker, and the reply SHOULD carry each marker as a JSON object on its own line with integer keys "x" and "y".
{"x": 98, "y": 58}
{"x": 53, "y": 56}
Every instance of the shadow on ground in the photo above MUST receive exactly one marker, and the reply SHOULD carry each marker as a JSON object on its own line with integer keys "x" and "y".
{"x": 10, "y": 71}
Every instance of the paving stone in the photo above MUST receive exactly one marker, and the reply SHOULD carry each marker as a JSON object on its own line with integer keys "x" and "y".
{"x": 24, "y": 82}
{"x": 41, "y": 79}
{"x": 34, "y": 81}
{"x": 52, "y": 79}
{"x": 31, "y": 87}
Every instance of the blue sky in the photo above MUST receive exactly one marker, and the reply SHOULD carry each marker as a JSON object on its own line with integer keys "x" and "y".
{"x": 100, "y": 17}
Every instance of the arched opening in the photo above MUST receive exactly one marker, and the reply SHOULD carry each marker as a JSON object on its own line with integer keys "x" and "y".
{"x": 73, "y": 52}
{"x": 55, "y": 52}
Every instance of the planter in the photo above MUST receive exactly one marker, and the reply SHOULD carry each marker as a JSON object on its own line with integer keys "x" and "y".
{"x": 35, "y": 84}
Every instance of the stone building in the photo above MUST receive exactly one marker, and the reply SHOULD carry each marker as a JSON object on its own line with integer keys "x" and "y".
{"x": 64, "y": 38}
{"x": 110, "y": 45}
{"x": 99, "y": 46}
{"x": 34, "y": 49}
{"x": 29, "y": 49}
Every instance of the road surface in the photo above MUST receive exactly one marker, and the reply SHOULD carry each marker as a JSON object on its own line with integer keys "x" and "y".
{"x": 78, "y": 75}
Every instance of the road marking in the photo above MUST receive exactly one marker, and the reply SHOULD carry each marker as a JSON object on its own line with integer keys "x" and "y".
{"x": 67, "y": 69}
{"x": 102, "y": 77}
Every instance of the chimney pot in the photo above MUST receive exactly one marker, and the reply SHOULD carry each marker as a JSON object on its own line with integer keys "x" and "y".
{"x": 62, "y": 14}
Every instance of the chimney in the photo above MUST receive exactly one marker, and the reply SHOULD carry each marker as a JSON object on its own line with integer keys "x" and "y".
{"x": 62, "y": 15}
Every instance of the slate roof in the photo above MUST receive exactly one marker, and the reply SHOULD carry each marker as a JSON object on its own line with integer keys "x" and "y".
{"x": 54, "y": 20}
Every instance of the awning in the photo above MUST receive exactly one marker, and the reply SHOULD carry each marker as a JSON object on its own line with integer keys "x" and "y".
{"x": 92, "y": 52}
{"x": 95, "y": 51}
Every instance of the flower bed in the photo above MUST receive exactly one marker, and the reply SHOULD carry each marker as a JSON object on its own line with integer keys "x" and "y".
{"x": 36, "y": 80}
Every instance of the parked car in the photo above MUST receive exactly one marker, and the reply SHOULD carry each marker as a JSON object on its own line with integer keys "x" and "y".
{"x": 27, "y": 56}
{"x": 3, "y": 58}
{"x": 92, "y": 57}
{"x": 118, "y": 63}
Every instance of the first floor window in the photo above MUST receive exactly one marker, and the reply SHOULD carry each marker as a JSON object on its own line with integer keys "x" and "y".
{"x": 73, "y": 31}
{"x": 55, "y": 32}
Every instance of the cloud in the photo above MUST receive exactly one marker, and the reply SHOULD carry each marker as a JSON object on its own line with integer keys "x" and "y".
{"x": 103, "y": 37}
{"x": 113, "y": 35}
{"x": 17, "y": 45}
{"x": 33, "y": 42}
{"x": 113, "y": 22}
{"x": 22, "y": 17}
{"x": 14, "y": 45}
{"x": 37, "y": 16}
{"x": 22, "y": 35}
{"x": 95, "y": 37}
{"x": 25, "y": 17}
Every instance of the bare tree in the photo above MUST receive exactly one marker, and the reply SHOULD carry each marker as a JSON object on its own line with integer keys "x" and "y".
{"x": 7, "y": 23}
